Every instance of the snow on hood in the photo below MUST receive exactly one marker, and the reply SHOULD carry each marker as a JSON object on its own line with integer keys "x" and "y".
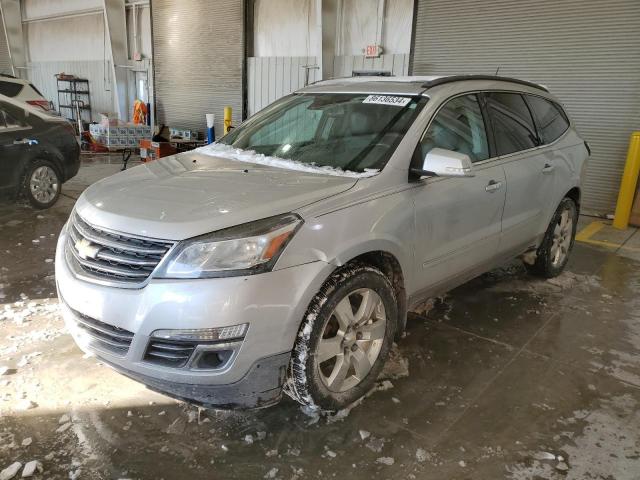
{"x": 249, "y": 156}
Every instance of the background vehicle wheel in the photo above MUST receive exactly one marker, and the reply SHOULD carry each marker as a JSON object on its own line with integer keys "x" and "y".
{"x": 553, "y": 252}
{"x": 344, "y": 339}
{"x": 42, "y": 184}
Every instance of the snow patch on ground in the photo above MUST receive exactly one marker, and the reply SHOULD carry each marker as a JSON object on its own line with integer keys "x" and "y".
{"x": 249, "y": 156}
{"x": 606, "y": 447}
{"x": 564, "y": 282}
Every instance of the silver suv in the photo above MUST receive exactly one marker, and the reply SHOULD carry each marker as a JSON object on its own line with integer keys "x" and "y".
{"x": 285, "y": 257}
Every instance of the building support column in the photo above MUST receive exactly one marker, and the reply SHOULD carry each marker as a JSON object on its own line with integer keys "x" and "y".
{"x": 116, "y": 30}
{"x": 12, "y": 28}
{"x": 330, "y": 18}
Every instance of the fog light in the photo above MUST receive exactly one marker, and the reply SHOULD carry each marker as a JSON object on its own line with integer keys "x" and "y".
{"x": 212, "y": 359}
{"x": 204, "y": 334}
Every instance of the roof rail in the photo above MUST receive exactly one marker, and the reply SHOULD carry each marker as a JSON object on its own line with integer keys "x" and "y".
{"x": 6, "y": 75}
{"x": 459, "y": 78}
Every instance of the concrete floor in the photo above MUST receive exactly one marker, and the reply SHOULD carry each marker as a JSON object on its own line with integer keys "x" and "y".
{"x": 506, "y": 377}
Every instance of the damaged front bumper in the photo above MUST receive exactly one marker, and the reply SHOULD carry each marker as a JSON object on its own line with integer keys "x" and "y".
{"x": 142, "y": 332}
{"x": 259, "y": 388}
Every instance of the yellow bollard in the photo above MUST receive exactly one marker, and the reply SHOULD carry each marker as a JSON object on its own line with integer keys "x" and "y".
{"x": 628, "y": 183}
{"x": 227, "y": 120}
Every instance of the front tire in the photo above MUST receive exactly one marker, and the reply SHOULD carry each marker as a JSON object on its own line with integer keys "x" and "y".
{"x": 42, "y": 184}
{"x": 553, "y": 253}
{"x": 344, "y": 339}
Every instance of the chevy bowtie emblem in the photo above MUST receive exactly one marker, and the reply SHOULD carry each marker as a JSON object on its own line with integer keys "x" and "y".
{"x": 86, "y": 249}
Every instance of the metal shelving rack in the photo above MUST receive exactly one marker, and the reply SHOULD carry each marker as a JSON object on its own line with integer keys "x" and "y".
{"x": 72, "y": 91}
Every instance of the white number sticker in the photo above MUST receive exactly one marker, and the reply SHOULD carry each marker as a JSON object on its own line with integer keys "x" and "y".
{"x": 387, "y": 100}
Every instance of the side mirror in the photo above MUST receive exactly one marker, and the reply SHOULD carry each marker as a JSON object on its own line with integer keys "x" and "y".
{"x": 445, "y": 163}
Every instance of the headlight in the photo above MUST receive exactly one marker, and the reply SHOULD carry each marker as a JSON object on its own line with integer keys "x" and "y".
{"x": 243, "y": 250}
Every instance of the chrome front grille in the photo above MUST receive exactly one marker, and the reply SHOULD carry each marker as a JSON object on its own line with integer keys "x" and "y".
{"x": 102, "y": 335}
{"x": 110, "y": 256}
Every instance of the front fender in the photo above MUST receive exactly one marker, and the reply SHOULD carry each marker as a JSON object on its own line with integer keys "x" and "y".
{"x": 383, "y": 224}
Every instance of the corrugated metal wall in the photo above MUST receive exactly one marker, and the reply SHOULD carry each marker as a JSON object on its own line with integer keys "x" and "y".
{"x": 5, "y": 59}
{"x": 42, "y": 75}
{"x": 270, "y": 78}
{"x": 198, "y": 50}
{"x": 586, "y": 51}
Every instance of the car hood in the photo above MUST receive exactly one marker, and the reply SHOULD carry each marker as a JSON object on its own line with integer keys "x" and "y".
{"x": 191, "y": 194}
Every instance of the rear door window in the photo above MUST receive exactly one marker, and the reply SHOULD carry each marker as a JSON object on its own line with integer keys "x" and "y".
{"x": 551, "y": 120}
{"x": 10, "y": 89}
{"x": 9, "y": 119}
{"x": 513, "y": 126}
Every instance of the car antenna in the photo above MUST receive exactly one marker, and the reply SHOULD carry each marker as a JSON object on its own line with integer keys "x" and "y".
{"x": 497, "y": 70}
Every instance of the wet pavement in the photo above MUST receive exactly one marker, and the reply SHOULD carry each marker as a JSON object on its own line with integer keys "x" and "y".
{"x": 505, "y": 377}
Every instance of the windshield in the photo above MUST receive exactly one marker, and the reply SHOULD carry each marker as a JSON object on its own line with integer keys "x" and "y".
{"x": 349, "y": 132}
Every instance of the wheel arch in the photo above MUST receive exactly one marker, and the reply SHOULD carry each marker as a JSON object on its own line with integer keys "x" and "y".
{"x": 391, "y": 267}
{"x": 574, "y": 194}
{"x": 46, "y": 156}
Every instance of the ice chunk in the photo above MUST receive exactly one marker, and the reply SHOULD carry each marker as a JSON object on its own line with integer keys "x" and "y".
{"x": 271, "y": 473}
{"x": 421, "y": 455}
{"x": 544, "y": 456}
{"x": 10, "y": 471}
{"x": 375, "y": 444}
{"x": 30, "y": 468}
{"x": 63, "y": 428}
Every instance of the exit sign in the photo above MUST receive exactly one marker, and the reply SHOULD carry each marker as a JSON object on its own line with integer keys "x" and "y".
{"x": 373, "y": 51}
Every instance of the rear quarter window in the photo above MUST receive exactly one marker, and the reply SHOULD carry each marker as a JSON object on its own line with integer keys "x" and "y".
{"x": 33, "y": 87}
{"x": 551, "y": 120}
{"x": 10, "y": 89}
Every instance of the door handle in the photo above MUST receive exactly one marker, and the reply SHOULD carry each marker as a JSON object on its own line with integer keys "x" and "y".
{"x": 493, "y": 186}
{"x": 25, "y": 141}
{"x": 548, "y": 168}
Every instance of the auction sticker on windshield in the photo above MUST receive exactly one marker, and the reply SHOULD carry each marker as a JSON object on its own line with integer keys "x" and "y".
{"x": 387, "y": 100}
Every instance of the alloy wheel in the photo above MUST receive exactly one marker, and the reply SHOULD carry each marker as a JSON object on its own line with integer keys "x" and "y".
{"x": 351, "y": 340}
{"x": 44, "y": 184}
{"x": 562, "y": 235}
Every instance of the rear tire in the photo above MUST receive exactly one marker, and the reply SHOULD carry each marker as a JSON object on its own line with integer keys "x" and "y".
{"x": 344, "y": 339}
{"x": 42, "y": 184}
{"x": 553, "y": 253}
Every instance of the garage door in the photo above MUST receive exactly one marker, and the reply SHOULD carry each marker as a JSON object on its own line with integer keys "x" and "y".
{"x": 198, "y": 52}
{"x": 586, "y": 51}
{"x": 5, "y": 59}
